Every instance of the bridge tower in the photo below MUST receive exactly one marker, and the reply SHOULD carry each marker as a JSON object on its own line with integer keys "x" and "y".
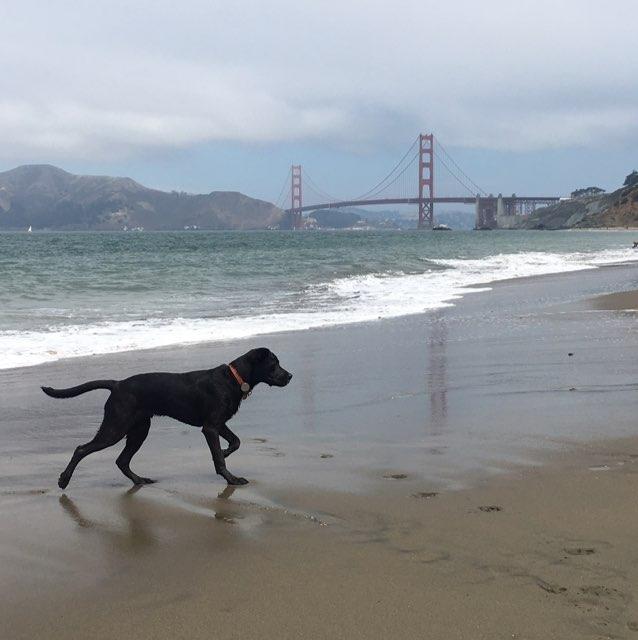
{"x": 426, "y": 181}
{"x": 295, "y": 195}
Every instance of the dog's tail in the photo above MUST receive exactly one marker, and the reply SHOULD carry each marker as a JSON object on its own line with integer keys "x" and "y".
{"x": 81, "y": 388}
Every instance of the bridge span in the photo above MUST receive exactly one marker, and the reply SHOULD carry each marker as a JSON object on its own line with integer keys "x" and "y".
{"x": 489, "y": 208}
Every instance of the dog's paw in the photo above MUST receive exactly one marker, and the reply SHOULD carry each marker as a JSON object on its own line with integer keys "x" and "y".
{"x": 145, "y": 481}
{"x": 63, "y": 481}
{"x": 235, "y": 480}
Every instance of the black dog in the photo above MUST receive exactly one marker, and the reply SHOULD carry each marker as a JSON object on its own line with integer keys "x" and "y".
{"x": 206, "y": 399}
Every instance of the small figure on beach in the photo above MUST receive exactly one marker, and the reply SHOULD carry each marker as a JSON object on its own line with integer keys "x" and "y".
{"x": 635, "y": 244}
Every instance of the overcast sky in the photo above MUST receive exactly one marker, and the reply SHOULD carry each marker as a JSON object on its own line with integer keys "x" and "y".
{"x": 203, "y": 95}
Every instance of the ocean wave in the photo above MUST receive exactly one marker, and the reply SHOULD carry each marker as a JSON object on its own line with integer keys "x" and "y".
{"x": 342, "y": 301}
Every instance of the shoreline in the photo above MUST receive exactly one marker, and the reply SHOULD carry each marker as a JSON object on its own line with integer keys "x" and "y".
{"x": 482, "y": 287}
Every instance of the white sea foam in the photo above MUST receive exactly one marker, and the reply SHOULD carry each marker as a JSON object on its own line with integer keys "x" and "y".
{"x": 342, "y": 301}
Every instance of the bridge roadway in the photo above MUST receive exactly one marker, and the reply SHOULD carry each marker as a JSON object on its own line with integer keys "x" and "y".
{"x": 451, "y": 200}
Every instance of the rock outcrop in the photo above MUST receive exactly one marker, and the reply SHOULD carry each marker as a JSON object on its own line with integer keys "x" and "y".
{"x": 616, "y": 209}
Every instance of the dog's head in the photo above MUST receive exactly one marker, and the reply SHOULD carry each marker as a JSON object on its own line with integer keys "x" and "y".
{"x": 265, "y": 367}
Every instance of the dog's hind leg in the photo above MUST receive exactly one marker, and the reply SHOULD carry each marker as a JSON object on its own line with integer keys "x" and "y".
{"x": 231, "y": 438}
{"x": 134, "y": 440}
{"x": 116, "y": 423}
{"x": 101, "y": 441}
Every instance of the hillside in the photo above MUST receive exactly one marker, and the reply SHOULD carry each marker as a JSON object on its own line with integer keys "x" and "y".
{"x": 335, "y": 218}
{"x": 616, "y": 209}
{"x": 47, "y": 197}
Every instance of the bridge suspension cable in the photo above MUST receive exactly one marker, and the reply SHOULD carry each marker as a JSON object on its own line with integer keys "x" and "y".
{"x": 317, "y": 190}
{"x": 440, "y": 159}
{"x": 380, "y": 186}
{"x": 451, "y": 159}
{"x": 372, "y": 194}
{"x": 284, "y": 194}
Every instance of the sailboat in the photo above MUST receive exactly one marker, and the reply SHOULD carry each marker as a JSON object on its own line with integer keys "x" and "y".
{"x": 29, "y": 230}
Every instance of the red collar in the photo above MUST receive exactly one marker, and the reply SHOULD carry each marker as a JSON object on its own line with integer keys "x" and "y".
{"x": 245, "y": 387}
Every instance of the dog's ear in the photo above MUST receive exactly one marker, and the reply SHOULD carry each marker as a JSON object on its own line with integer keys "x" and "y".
{"x": 261, "y": 354}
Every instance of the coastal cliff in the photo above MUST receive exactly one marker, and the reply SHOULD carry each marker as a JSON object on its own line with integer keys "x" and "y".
{"x": 616, "y": 209}
{"x": 46, "y": 197}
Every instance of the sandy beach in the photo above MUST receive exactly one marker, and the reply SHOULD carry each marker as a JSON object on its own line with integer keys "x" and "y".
{"x": 468, "y": 473}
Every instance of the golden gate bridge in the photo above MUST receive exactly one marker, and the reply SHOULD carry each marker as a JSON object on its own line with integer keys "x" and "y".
{"x": 415, "y": 169}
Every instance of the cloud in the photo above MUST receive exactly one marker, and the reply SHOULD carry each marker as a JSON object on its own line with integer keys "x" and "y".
{"x": 98, "y": 79}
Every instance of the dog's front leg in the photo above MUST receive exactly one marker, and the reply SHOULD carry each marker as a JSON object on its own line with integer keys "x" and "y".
{"x": 211, "y": 433}
{"x": 231, "y": 438}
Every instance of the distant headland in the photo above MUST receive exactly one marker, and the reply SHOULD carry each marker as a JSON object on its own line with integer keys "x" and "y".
{"x": 46, "y": 197}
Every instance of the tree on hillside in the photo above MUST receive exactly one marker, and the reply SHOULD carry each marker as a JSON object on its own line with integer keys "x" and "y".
{"x": 587, "y": 192}
{"x": 631, "y": 179}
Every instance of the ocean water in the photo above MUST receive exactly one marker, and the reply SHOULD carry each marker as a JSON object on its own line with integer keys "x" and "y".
{"x": 65, "y": 295}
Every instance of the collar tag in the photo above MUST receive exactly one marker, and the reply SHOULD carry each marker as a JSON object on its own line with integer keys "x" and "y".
{"x": 244, "y": 386}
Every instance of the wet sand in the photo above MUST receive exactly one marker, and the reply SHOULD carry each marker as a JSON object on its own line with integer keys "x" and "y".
{"x": 397, "y": 489}
{"x": 621, "y": 301}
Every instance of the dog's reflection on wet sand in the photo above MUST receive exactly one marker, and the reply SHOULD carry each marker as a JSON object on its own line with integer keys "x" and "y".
{"x": 139, "y": 518}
